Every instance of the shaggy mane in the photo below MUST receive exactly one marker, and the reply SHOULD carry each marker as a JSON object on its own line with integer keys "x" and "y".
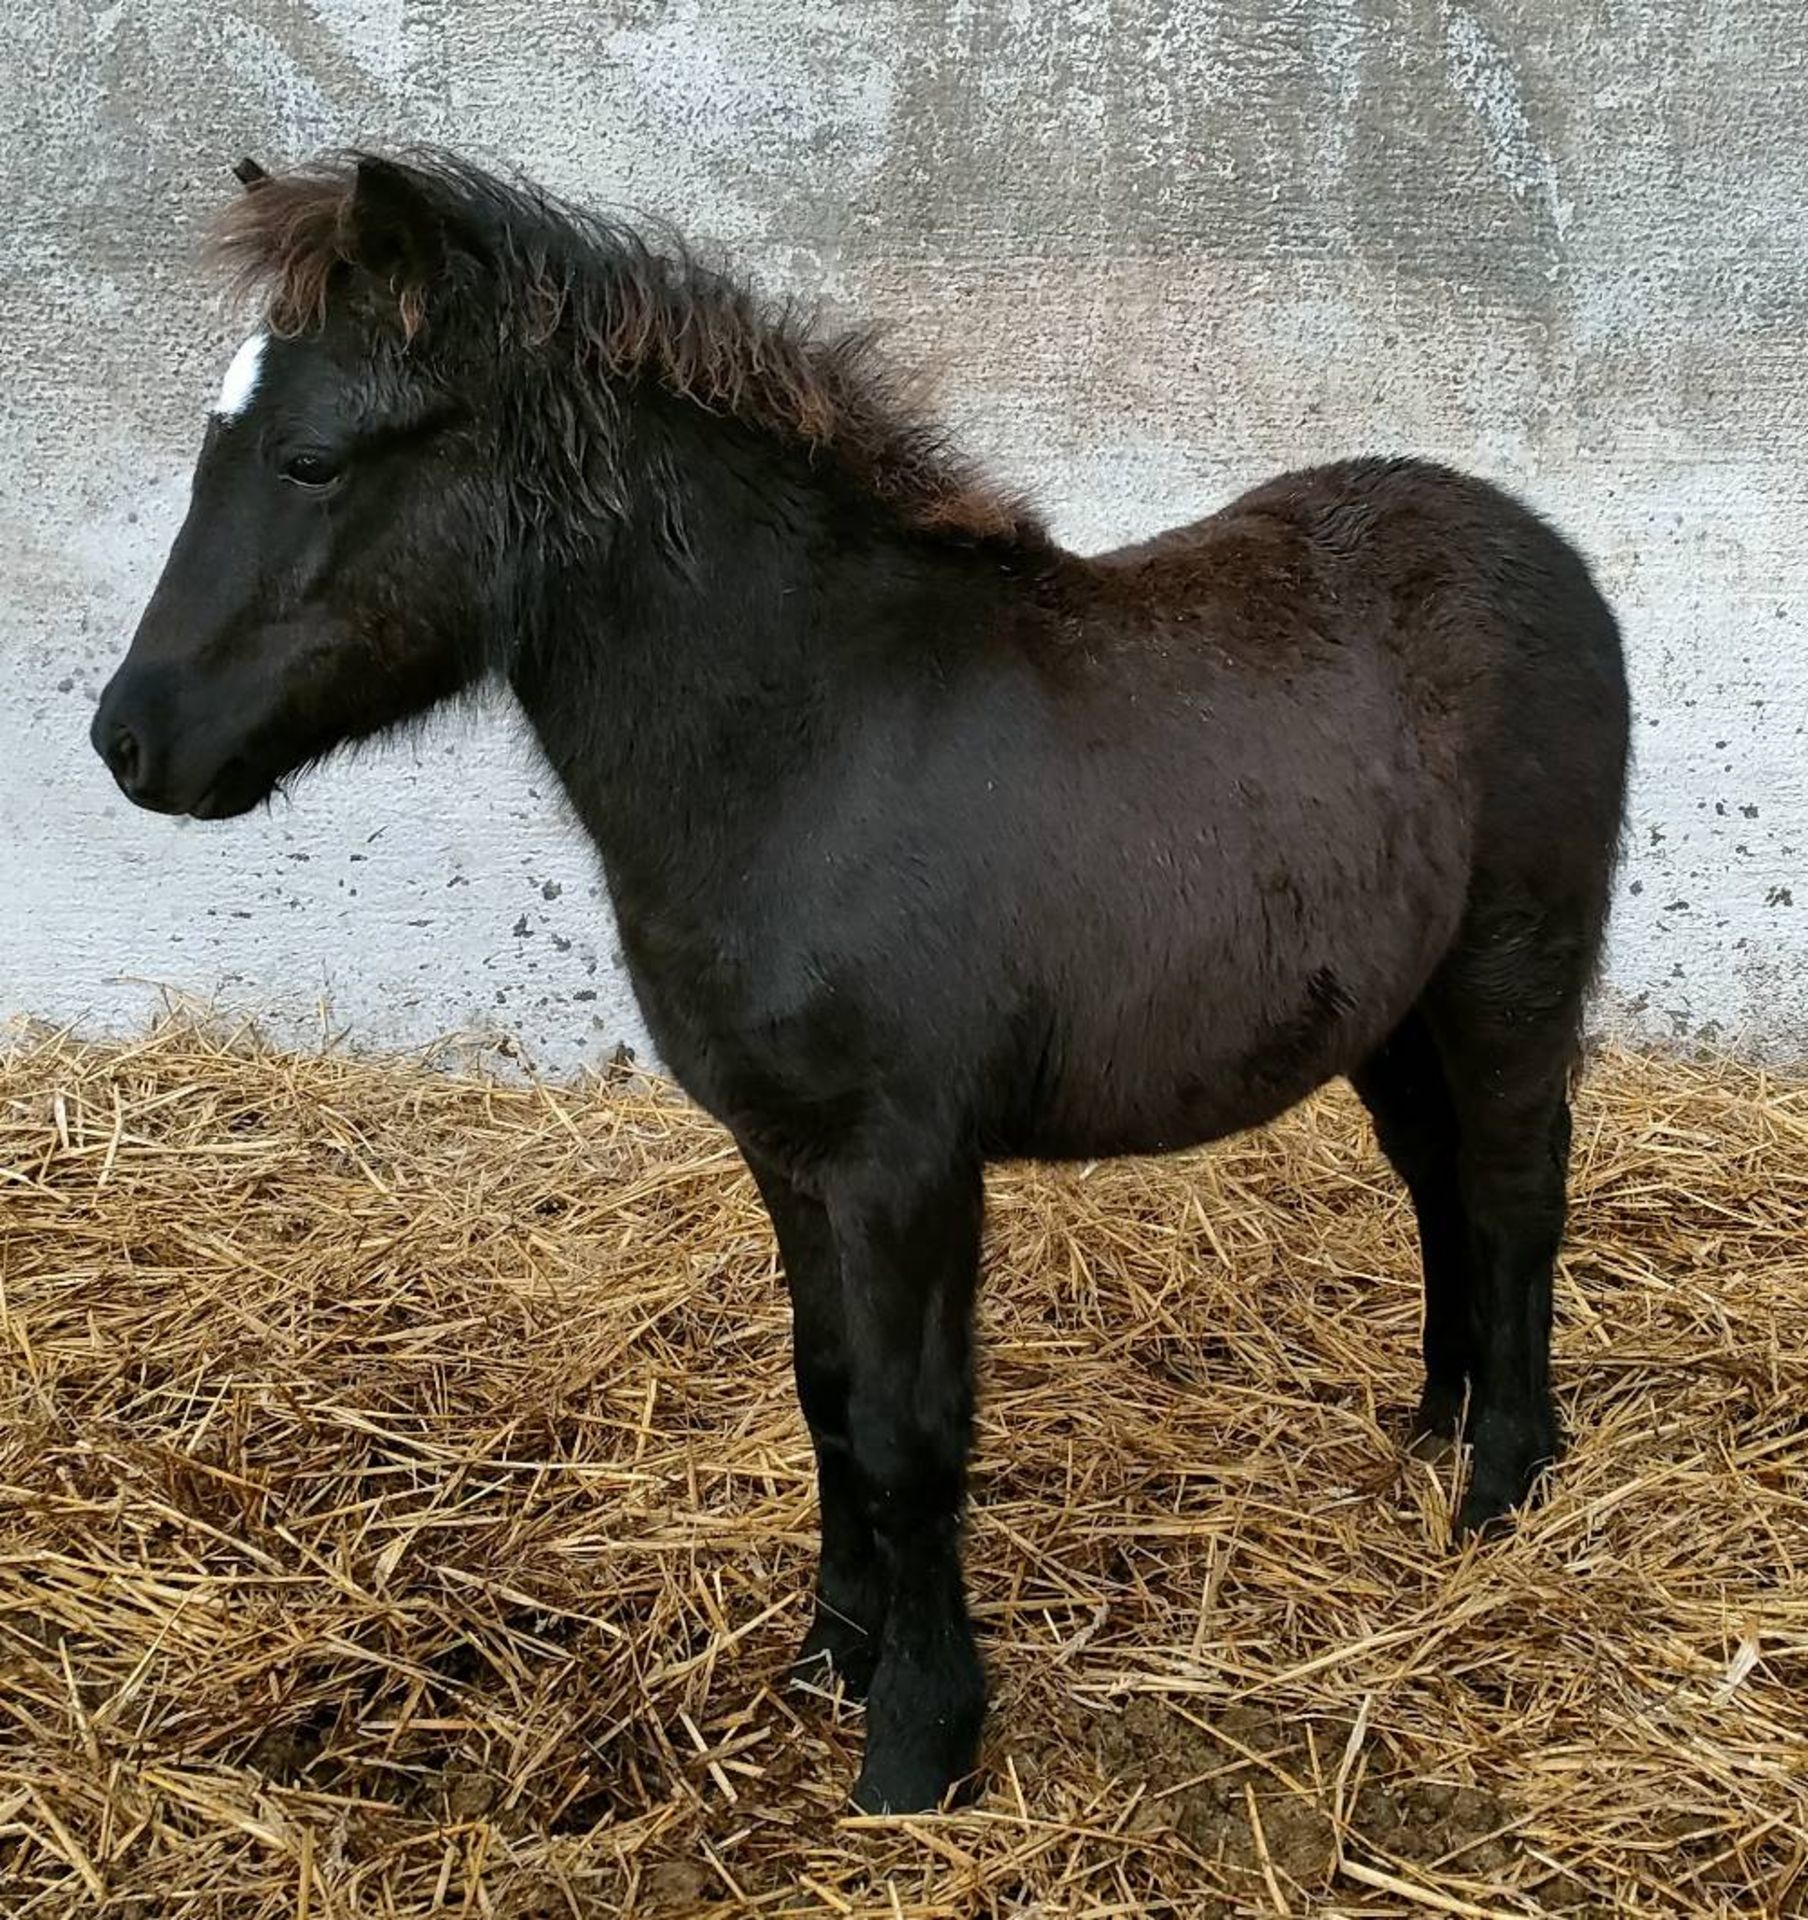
{"x": 631, "y": 309}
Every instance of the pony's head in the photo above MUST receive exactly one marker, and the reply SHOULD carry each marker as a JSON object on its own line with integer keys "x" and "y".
{"x": 435, "y": 416}
{"x": 339, "y": 561}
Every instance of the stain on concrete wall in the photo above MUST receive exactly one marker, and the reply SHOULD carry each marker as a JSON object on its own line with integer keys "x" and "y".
{"x": 1155, "y": 251}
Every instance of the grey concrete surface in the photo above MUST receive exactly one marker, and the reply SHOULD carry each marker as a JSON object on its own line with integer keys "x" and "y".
{"x": 1155, "y": 252}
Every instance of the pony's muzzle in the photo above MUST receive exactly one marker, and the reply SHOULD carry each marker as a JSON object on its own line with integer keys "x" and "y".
{"x": 118, "y": 746}
{"x": 133, "y": 735}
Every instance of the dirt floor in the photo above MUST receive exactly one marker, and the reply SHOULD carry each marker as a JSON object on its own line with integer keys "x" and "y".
{"x": 403, "y": 1508}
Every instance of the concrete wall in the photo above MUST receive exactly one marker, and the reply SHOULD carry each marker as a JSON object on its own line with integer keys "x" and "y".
{"x": 1159, "y": 249}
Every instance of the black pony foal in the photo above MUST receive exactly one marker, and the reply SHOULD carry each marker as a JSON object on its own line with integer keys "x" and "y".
{"x": 929, "y": 842}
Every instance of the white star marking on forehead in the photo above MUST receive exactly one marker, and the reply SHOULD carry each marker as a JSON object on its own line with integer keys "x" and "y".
{"x": 240, "y": 384}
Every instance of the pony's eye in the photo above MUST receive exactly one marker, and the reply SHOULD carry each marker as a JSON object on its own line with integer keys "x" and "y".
{"x": 311, "y": 469}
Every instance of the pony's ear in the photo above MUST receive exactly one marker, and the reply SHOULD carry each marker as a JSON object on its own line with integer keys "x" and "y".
{"x": 248, "y": 173}
{"x": 391, "y": 229}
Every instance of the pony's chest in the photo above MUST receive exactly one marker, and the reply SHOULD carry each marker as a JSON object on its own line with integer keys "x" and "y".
{"x": 784, "y": 1071}
{"x": 691, "y": 1012}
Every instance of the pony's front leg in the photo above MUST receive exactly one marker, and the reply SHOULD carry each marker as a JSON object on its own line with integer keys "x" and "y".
{"x": 908, "y": 1239}
{"x": 843, "y": 1640}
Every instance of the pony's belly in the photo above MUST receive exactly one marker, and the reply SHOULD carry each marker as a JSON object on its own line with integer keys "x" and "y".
{"x": 1177, "y": 1069}
{"x": 1166, "y": 1112}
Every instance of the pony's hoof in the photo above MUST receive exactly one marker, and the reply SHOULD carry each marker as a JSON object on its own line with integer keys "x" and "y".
{"x": 1437, "y": 1422}
{"x": 1506, "y": 1473}
{"x": 1484, "y": 1515}
{"x": 1494, "y": 1501}
{"x": 912, "y": 1781}
{"x": 922, "y": 1730}
{"x": 835, "y": 1651}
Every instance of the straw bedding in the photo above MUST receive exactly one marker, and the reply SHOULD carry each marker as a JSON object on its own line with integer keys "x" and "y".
{"x": 403, "y": 1507}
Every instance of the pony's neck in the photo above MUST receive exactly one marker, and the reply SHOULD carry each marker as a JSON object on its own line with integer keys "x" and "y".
{"x": 682, "y": 671}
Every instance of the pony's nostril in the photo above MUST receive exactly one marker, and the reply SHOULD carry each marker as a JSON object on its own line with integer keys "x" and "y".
{"x": 123, "y": 755}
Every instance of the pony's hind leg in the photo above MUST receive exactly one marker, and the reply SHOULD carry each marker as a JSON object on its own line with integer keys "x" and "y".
{"x": 1505, "y": 1012}
{"x": 1403, "y": 1086}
